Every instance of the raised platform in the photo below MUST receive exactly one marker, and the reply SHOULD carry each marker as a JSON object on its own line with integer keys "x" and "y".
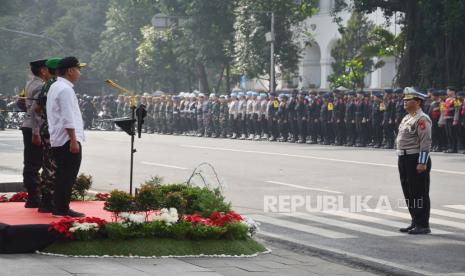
{"x": 26, "y": 230}
{"x": 14, "y": 213}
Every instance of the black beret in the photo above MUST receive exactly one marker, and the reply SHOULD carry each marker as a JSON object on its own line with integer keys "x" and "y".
{"x": 38, "y": 63}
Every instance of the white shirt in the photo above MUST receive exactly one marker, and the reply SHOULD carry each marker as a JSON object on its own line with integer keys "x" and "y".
{"x": 63, "y": 112}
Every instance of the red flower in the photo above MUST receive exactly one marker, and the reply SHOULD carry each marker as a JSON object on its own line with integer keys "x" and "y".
{"x": 196, "y": 218}
{"x": 215, "y": 219}
{"x": 102, "y": 196}
{"x": 220, "y": 219}
{"x": 3, "y": 198}
{"x": 19, "y": 197}
{"x": 66, "y": 223}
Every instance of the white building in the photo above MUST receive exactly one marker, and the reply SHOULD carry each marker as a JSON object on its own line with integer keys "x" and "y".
{"x": 315, "y": 66}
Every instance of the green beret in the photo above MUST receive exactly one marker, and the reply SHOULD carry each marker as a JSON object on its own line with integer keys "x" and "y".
{"x": 52, "y": 62}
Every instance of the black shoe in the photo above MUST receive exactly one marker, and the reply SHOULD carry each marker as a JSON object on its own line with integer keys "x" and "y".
{"x": 70, "y": 213}
{"x": 406, "y": 229}
{"x": 45, "y": 208}
{"x": 420, "y": 231}
{"x": 32, "y": 203}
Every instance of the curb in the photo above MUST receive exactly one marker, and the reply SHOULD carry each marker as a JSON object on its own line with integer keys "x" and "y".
{"x": 9, "y": 187}
{"x": 353, "y": 259}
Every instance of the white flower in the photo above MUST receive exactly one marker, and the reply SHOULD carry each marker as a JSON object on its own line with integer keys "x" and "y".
{"x": 251, "y": 225}
{"x": 168, "y": 216}
{"x": 132, "y": 218}
{"x": 85, "y": 226}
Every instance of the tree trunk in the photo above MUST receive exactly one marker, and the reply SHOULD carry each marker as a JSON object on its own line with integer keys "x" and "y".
{"x": 228, "y": 78}
{"x": 409, "y": 63}
{"x": 220, "y": 80}
{"x": 203, "y": 81}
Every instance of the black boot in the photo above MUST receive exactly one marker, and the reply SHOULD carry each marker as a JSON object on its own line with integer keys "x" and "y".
{"x": 32, "y": 199}
{"x": 46, "y": 204}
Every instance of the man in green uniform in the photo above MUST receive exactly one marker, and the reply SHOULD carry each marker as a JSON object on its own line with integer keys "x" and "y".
{"x": 48, "y": 164}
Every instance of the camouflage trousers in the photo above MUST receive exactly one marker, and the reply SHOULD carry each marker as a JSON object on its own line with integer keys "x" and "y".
{"x": 48, "y": 175}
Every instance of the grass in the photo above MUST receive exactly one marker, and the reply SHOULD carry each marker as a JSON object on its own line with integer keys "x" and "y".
{"x": 156, "y": 247}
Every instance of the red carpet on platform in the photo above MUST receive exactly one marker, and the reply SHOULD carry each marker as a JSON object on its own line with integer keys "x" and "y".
{"x": 14, "y": 213}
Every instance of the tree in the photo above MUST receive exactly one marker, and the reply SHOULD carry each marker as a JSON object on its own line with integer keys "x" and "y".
{"x": 74, "y": 25}
{"x": 432, "y": 53}
{"x": 116, "y": 55}
{"x": 253, "y": 21}
{"x": 205, "y": 39}
{"x": 352, "y": 61}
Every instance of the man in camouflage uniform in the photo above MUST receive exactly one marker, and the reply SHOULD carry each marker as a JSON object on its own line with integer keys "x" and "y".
{"x": 223, "y": 117}
{"x": 215, "y": 111}
{"x": 199, "y": 115}
{"x": 48, "y": 174}
{"x": 413, "y": 146}
{"x": 3, "y": 112}
{"x": 192, "y": 113}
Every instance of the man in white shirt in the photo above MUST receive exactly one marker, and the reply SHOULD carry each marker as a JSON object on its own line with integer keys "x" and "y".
{"x": 66, "y": 133}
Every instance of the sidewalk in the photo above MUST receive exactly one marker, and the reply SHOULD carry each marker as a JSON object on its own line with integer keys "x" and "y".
{"x": 279, "y": 262}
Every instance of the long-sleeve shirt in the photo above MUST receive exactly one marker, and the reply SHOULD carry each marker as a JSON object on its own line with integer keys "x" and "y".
{"x": 63, "y": 113}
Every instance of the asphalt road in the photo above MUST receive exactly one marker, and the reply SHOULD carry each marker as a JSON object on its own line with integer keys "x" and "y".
{"x": 259, "y": 176}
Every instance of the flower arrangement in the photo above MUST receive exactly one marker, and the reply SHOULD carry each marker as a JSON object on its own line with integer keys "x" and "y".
{"x": 169, "y": 216}
{"x": 19, "y": 197}
{"x": 4, "y": 198}
{"x": 102, "y": 196}
{"x": 173, "y": 211}
{"x": 131, "y": 218}
{"x": 77, "y": 228}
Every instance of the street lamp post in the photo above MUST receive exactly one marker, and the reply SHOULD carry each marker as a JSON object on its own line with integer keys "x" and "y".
{"x": 270, "y": 37}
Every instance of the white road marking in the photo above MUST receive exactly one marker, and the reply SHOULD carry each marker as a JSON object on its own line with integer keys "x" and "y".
{"x": 437, "y": 221}
{"x": 380, "y": 221}
{"x": 347, "y": 253}
{"x": 345, "y": 225}
{"x": 315, "y": 158}
{"x": 163, "y": 165}
{"x": 302, "y": 187}
{"x": 11, "y": 178}
{"x": 458, "y": 207}
{"x": 302, "y": 227}
{"x": 448, "y": 214}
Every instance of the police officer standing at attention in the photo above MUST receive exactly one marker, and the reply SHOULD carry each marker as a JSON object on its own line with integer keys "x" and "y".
{"x": 31, "y": 134}
{"x": 413, "y": 147}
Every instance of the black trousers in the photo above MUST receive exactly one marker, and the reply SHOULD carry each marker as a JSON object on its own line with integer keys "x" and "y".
{"x": 415, "y": 187}
{"x": 67, "y": 168}
{"x": 451, "y": 133}
{"x": 32, "y": 161}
